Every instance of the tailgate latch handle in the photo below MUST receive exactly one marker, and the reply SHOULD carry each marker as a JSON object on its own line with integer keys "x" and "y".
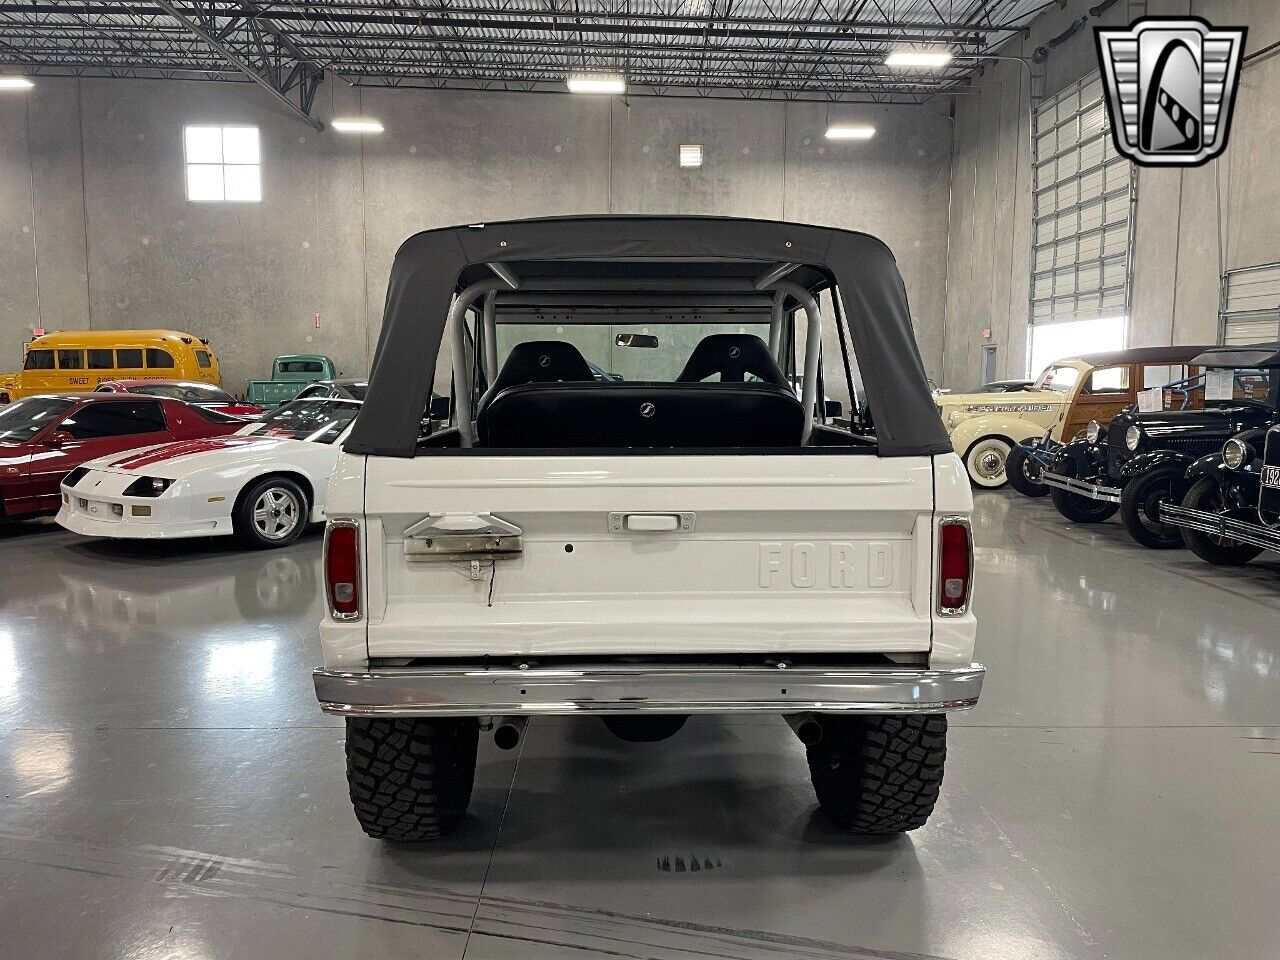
{"x": 651, "y": 522}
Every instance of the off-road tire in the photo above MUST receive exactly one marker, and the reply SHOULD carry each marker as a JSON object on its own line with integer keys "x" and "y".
{"x": 879, "y": 774}
{"x": 411, "y": 779}
{"x": 1016, "y": 467}
{"x": 1140, "y": 516}
{"x": 645, "y": 729}
{"x": 243, "y": 520}
{"x": 1080, "y": 509}
{"x": 1205, "y": 494}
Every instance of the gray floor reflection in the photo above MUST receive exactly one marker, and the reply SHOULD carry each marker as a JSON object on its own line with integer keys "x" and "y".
{"x": 171, "y": 791}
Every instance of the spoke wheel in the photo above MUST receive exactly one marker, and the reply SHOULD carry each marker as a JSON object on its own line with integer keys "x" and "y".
{"x": 1205, "y": 494}
{"x": 1140, "y": 509}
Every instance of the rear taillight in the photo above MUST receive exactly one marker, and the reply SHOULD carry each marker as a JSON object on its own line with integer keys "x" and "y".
{"x": 342, "y": 569}
{"x": 955, "y": 566}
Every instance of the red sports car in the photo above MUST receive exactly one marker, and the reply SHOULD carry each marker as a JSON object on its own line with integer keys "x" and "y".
{"x": 199, "y": 394}
{"x": 43, "y": 438}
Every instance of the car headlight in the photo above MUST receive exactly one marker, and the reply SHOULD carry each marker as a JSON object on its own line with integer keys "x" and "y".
{"x": 1236, "y": 453}
{"x": 75, "y": 476}
{"x": 1132, "y": 437}
{"x": 955, "y": 417}
{"x": 1093, "y": 431}
{"x": 147, "y": 487}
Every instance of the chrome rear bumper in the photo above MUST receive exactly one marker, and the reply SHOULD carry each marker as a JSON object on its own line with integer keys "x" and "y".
{"x": 644, "y": 688}
{"x": 1214, "y": 524}
{"x": 1082, "y": 488}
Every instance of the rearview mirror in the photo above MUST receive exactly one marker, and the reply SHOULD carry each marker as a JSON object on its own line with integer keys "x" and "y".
{"x": 647, "y": 340}
{"x": 58, "y": 439}
{"x": 834, "y": 409}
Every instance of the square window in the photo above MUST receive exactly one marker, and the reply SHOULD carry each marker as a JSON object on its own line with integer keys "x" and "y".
{"x": 223, "y": 164}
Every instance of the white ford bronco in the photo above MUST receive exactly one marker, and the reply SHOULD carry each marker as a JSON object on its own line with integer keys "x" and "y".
{"x": 630, "y": 512}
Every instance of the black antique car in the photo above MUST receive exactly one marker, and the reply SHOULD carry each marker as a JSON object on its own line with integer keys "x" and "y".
{"x": 1140, "y": 461}
{"x": 1231, "y": 512}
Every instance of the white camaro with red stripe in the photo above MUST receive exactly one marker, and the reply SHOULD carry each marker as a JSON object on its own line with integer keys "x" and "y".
{"x": 264, "y": 483}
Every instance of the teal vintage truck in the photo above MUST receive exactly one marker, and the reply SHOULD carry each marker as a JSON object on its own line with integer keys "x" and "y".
{"x": 290, "y": 375}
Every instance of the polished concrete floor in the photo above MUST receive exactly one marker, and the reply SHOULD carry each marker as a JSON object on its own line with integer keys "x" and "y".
{"x": 171, "y": 791}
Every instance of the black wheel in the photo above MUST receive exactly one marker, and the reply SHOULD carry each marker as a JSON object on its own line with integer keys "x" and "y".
{"x": 411, "y": 779}
{"x": 1140, "y": 508}
{"x": 272, "y": 512}
{"x": 879, "y": 774}
{"x": 1023, "y": 473}
{"x": 1080, "y": 509}
{"x": 645, "y": 729}
{"x": 1205, "y": 494}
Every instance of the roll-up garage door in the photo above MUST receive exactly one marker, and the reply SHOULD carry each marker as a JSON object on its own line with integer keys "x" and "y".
{"x": 1251, "y": 304}
{"x": 1083, "y": 190}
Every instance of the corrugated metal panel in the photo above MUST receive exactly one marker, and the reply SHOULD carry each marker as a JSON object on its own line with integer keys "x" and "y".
{"x": 1251, "y": 304}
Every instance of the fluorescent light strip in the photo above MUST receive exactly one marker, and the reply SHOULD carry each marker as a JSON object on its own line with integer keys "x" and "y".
{"x": 690, "y": 154}
{"x": 918, "y": 58}
{"x": 850, "y": 132}
{"x": 11, "y": 82}
{"x": 357, "y": 126}
{"x": 596, "y": 83}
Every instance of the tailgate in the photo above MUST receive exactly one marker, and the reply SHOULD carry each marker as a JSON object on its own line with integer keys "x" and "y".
{"x": 772, "y": 554}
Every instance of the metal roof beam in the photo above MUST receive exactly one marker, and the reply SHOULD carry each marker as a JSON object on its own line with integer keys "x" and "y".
{"x": 262, "y": 52}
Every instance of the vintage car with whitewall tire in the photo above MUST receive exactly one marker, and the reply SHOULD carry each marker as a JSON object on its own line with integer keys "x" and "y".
{"x": 1231, "y": 510}
{"x": 1108, "y": 383}
{"x": 1139, "y": 462}
{"x": 693, "y": 538}
{"x": 264, "y": 483}
{"x": 985, "y": 426}
{"x": 1006, "y": 436}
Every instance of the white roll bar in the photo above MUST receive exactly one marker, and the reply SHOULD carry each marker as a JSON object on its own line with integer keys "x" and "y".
{"x": 457, "y": 324}
{"x": 813, "y": 340}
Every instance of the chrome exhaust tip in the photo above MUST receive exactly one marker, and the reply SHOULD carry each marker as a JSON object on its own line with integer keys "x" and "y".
{"x": 508, "y": 731}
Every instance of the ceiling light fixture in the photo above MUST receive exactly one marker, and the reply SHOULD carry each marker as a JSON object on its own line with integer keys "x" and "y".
{"x": 918, "y": 58}
{"x": 596, "y": 83}
{"x": 357, "y": 126}
{"x": 690, "y": 154}
{"x": 11, "y": 82}
{"x": 850, "y": 132}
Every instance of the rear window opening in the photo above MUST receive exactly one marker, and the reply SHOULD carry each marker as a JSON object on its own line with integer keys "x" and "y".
{"x": 648, "y": 357}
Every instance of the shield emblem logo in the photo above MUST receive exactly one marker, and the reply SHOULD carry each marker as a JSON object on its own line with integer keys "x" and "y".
{"x": 1171, "y": 85}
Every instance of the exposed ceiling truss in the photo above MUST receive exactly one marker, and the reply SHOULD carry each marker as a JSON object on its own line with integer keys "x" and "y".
{"x": 825, "y": 50}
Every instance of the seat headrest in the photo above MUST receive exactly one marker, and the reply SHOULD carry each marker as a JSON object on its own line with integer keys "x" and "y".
{"x": 542, "y": 361}
{"x": 733, "y": 356}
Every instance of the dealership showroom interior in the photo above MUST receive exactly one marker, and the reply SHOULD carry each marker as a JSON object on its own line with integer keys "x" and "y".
{"x": 642, "y": 479}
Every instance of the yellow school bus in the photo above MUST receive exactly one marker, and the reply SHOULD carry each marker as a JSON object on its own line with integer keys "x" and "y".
{"x": 79, "y": 360}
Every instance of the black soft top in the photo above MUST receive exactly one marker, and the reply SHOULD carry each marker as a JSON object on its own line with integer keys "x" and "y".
{"x": 1255, "y": 355}
{"x": 432, "y": 266}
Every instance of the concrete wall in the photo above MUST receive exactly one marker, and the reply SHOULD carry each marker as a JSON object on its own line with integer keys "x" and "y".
{"x": 95, "y": 228}
{"x": 1189, "y": 225}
